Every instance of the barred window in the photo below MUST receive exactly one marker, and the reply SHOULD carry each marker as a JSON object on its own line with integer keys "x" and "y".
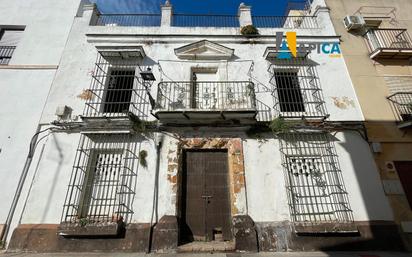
{"x": 9, "y": 38}
{"x": 289, "y": 93}
{"x": 117, "y": 88}
{"x": 297, "y": 89}
{"x": 103, "y": 180}
{"x": 314, "y": 181}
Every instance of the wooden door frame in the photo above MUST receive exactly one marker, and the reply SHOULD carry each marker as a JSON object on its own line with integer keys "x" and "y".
{"x": 236, "y": 170}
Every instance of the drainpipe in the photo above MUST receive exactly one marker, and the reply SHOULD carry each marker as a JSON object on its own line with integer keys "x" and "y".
{"x": 21, "y": 182}
{"x": 158, "y": 140}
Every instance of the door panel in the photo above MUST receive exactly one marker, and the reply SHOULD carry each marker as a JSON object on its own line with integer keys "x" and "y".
{"x": 405, "y": 175}
{"x": 206, "y": 90}
{"x": 205, "y": 195}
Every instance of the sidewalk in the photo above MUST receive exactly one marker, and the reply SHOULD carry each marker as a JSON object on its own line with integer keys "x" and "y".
{"x": 266, "y": 254}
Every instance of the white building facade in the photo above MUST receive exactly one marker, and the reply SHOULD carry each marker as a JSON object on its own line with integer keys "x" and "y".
{"x": 167, "y": 129}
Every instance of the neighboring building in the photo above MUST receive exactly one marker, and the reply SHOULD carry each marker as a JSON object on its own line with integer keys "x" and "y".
{"x": 159, "y": 136}
{"x": 33, "y": 35}
{"x": 378, "y": 56}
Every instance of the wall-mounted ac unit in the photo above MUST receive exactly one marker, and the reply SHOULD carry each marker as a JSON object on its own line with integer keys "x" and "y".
{"x": 353, "y": 22}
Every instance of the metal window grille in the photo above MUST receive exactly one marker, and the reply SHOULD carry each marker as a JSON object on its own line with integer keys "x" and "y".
{"x": 6, "y": 52}
{"x": 103, "y": 180}
{"x": 297, "y": 89}
{"x": 117, "y": 89}
{"x": 401, "y": 103}
{"x": 314, "y": 181}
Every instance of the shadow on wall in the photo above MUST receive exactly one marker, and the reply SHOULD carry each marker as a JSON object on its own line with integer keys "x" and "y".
{"x": 55, "y": 174}
{"x": 379, "y": 233}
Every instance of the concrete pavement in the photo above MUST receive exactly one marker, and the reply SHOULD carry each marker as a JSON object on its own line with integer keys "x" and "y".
{"x": 266, "y": 254}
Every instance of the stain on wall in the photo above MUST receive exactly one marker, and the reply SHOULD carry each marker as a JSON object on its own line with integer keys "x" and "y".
{"x": 343, "y": 102}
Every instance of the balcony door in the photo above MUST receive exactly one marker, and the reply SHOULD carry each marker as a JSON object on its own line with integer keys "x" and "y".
{"x": 205, "y": 90}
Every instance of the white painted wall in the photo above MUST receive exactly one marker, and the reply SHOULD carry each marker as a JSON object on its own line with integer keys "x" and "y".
{"x": 26, "y": 81}
{"x": 266, "y": 196}
{"x": 266, "y": 185}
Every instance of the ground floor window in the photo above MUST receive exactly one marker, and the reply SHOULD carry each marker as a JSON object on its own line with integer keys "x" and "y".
{"x": 103, "y": 180}
{"x": 314, "y": 181}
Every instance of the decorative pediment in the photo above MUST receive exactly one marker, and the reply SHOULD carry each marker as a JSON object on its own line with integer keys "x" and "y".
{"x": 204, "y": 50}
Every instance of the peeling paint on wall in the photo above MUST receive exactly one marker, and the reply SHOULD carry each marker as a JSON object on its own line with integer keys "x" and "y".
{"x": 343, "y": 102}
{"x": 86, "y": 94}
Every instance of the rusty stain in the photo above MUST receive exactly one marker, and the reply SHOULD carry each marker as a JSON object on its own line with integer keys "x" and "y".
{"x": 86, "y": 94}
{"x": 343, "y": 102}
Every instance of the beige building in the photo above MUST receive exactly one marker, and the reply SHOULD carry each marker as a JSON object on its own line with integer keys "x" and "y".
{"x": 377, "y": 49}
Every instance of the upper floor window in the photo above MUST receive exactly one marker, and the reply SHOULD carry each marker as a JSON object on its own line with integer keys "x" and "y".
{"x": 297, "y": 90}
{"x": 289, "y": 92}
{"x": 9, "y": 38}
{"x": 117, "y": 88}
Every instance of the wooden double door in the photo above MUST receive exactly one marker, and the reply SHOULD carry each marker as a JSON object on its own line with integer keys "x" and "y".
{"x": 205, "y": 203}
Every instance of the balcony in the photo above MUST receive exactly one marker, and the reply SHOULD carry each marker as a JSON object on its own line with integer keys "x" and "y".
{"x": 402, "y": 106}
{"x": 6, "y": 53}
{"x": 389, "y": 43}
{"x": 206, "y": 102}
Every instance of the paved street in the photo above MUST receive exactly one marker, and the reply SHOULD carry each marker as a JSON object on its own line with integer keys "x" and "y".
{"x": 295, "y": 254}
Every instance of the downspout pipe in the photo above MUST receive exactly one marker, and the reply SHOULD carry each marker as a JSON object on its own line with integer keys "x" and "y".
{"x": 158, "y": 143}
{"x": 21, "y": 182}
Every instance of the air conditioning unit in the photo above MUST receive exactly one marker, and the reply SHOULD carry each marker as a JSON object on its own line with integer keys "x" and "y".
{"x": 353, "y": 22}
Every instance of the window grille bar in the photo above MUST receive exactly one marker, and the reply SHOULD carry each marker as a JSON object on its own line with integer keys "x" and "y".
{"x": 314, "y": 181}
{"x": 6, "y": 52}
{"x": 401, "y": 103}
{"x": 103, "y": 180}
{"x": 297, "y": 92}
{"x": 116, "y": 90}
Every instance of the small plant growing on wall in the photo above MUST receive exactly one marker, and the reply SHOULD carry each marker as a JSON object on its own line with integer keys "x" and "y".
{"x": 279, "y": 125}
{"x": 142, "y": 158}
{"x": 83, "y": 222}
{"x": 249, "y": 30}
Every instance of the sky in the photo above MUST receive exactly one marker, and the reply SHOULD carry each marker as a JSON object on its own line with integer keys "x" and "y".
{"x": 259, "y": 7}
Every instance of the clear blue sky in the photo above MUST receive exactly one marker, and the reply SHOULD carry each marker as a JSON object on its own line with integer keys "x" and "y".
{"x": 259, "y": 7}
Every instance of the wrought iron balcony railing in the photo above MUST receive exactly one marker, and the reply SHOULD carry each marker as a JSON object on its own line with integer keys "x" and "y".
{"x": 402, "y": 105}
{"x": 288, "y": 22}
{"x": 6, "y": 53}
{"x": 206, "y": 96}
{"x": 389, "y": 42}
{"x": 206, "y": 20}
{"x": 139, "y": 20}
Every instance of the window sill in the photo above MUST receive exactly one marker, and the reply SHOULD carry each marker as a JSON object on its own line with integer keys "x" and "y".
{"x": 76, "y": 230}
{"x": 325, "y": 228}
